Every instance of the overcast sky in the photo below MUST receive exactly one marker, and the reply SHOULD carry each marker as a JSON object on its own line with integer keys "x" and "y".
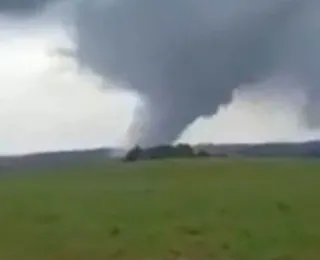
{"x": 49, "y": 102}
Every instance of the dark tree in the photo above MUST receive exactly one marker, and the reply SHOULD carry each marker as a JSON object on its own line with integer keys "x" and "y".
{"x": 134, "y": 154}
{"x": 184, "y": 150}
{"x": 203, "y": 153}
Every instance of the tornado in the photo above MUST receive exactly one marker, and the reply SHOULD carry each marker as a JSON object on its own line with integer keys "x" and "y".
{"x": 187, "y": 57}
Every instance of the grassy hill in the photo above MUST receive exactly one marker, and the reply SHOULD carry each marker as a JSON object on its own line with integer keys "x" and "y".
{"x": 180, "y": 209}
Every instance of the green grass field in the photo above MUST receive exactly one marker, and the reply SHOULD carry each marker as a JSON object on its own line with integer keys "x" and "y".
{"x": 186, "y": 210}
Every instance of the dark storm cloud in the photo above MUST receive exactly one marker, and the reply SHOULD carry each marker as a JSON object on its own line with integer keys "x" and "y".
{"x": 23, "y": 7}
{"x": 187, "y": 56}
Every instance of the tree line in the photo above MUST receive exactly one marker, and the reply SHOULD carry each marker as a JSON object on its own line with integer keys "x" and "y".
{"x": 163, "y": 152}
